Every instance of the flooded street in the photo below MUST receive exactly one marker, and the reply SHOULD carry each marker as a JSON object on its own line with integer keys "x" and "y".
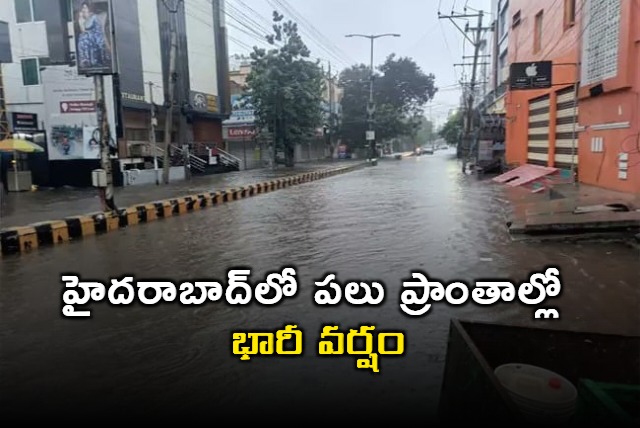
{"x": 377, "y": 223}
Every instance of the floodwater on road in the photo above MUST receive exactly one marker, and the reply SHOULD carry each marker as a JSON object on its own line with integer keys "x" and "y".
{"x": 377, "y": 223}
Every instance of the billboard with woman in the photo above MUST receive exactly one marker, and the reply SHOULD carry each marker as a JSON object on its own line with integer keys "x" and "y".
{"x": 93, "y": 36}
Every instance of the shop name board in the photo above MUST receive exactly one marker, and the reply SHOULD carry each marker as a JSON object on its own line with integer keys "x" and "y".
{"x": 530, "y": 75}
{"x": 24, "y": 121}
{"x": 132, "y": 97}
{"x": 241, "y": 132}
{"x": 77, "y": 106}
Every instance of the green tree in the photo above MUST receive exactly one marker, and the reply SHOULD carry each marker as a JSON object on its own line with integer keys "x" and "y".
{"x": 401, "y": 89}
{"x": 425, "y": 132}
{"x": 285, "y": 88}
{"x": 451, "y": 131}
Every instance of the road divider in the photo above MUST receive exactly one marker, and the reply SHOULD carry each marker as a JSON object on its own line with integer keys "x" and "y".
{"x": 24, "y": 239}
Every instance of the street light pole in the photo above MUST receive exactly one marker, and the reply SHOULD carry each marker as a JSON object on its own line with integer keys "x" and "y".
{"x": 371, "y": 106}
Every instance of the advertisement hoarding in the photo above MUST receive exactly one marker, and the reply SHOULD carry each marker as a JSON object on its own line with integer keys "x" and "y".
{"x": 92, "y": 28}
{"x": 203, "y": 102}
{"x": 241, "y": 110}
{"x": 71, "y": 100}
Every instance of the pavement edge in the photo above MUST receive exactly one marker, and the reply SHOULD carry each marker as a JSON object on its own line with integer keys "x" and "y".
{"x": 25, "y": 239}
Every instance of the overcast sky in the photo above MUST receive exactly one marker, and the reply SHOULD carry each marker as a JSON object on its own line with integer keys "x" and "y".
{"x": 435, "y": 44}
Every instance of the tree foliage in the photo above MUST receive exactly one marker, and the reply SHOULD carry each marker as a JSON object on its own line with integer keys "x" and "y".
{"x": 401, "y": 89}
{"x": 452, "y": 129}
{"x": 425, "y": 133}
{"x": 286, "y": 87}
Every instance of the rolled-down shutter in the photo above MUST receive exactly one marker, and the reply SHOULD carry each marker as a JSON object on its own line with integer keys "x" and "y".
{"x": 538, "y": 140}
{"x": 566, "y": 152}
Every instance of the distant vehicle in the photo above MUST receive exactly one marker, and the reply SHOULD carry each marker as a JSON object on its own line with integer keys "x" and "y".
{"x": 427, "y": 150}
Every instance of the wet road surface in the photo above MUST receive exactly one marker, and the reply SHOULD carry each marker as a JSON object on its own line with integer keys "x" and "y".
{"x": 377, "y": 223}
{"x": 20, "y": 209}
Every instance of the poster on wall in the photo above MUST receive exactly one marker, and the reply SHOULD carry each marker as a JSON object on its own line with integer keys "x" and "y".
{"x": 91, "y": 142}
{"x": 93, "y": 36}
{"x": 67, "y": 141}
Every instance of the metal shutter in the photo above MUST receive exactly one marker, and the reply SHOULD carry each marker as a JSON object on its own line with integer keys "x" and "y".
{"x": 538, "y": 138}
{"x": 566, "y": 129}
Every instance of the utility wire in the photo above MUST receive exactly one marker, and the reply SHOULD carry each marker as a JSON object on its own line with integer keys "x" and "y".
{"x": 328, "y": 42}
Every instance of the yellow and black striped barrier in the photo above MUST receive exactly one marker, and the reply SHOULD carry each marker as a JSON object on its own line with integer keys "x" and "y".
{"x": 24, "y": 239}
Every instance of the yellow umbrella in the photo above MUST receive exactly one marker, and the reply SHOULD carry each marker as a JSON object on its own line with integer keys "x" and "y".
{"x": 19, "y": 145}
{"x": 16, "y": 145}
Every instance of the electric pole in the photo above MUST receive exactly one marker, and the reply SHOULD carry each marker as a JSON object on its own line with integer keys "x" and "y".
{"x": 154, "y": 123}
{"x": 431, "y": 125}
{"x": 371, "y": 108}
{"x": 106, "y": 193}
{"x": 331, "y": 127}
{"x": 477, "y": 41}
{"x": 168, "y": 122}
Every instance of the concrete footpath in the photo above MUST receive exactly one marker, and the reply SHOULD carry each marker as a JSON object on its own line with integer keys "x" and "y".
{"x": 572, "y": 210}
{"x": 45, "y": 204}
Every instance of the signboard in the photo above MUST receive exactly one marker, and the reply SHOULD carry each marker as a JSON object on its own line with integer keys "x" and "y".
{"x": 203, "y": 102}
{"x": 77, "y": 106}
{"x": 240, "y": 132}
{"x": 24, "y": 121}
{"x": 241, "y": 110}
{"x": 530, "y": 75}
{"x": 93, "y": 37}
{"x": 485, "y": 150}
{"x": 70, "y": 99}
{"x": 371, "y": 135}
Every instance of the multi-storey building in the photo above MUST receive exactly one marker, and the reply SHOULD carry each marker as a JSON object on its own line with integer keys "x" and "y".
{"x": 588, "y": 121}
{"x": 499, "y": 76}
{"x": 43, "y": 81}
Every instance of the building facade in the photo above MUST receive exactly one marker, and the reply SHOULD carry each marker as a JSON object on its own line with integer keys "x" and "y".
{"x": 252, "y": 148}
{"x": 499, "y": 75}
{"x": 608, "y": 95}
{"x": 540, "y": 123}
{"x": 43, "y": 80}
{"x": 588, "y": 120}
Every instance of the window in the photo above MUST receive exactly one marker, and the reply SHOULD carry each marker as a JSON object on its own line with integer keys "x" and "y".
{"x": 537, "y": 35}
{"x": 516, "y": 20}
{"x": 28, "y": 11}
{"x": 24, "y": 10}
{"x": 502, "y": 64}
{"x": 30, "y": 72}
{"x": 133, "y": 134}
{"x": 569, "y": 13}
{"x": 68, "y": 6}
{"x": 502, "y": 23}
